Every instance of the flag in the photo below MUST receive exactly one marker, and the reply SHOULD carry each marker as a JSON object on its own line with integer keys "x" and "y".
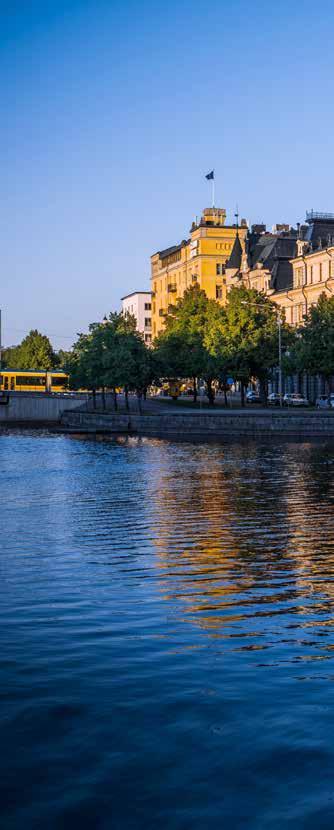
{"x": 210, "y": 175}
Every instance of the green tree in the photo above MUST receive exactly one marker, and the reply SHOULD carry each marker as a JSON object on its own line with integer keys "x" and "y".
{"x": 35, "y": 352}
{"x": 61, "y": 358}
{"x": 9, "y": 358}
{"x": 80, "y": 365}
{"x": 180, "y": 348}
{"x": 252, "y": 334}
{"x": 110, "y": 356}
{"x": 216, "y": 342}
{"x": 314, "y": 347}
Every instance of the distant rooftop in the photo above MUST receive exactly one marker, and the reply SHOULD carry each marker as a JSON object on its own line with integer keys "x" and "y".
{"x": 134, "y": 293}
{"x": 316, "y": 216}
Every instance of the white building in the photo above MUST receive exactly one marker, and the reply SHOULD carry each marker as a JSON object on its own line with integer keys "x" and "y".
{"x": 139, "y": 303}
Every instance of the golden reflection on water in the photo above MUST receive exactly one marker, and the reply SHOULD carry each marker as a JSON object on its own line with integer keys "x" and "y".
{"x": 245, "y": 539}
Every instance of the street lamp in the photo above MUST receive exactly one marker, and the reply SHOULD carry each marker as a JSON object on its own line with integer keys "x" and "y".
{"x": 279, "y": 324}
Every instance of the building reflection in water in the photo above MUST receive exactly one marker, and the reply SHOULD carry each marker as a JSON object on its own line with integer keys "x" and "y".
{"x": 243, "y": 536}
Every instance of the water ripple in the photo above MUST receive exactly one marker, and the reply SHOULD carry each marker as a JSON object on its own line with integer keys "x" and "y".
{"x": 159, "y": 603}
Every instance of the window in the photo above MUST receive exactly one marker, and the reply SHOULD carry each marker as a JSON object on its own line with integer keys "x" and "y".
{"x": 148, "y": 338}
{"x": 194, "y": 277}
{"x": 60, "y": 381}
{"x": 218, "y": 269}
{"x": 311, "y": 273}
{"x": 30, "y": 380}
{"x": 219, "y": 292}
{"x": 331, "y": 268}
{"x": 147, "y": 322}
{"x": 299, "y": 277}
{"x": 320, "y": 271}
{"x": 147, "y": 306}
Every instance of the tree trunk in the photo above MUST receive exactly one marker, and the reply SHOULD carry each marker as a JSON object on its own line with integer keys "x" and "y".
{"x": 103, "y": 398}
{"x": 242, "y": 392}
{"x": 225, "y": 396}
{"x": 139, "y": 397}
{"x": 94, "y": 398}
{"x": 126, "y": 392}
{"x": 195, "y": 388}
{"x": 263, "y": 392}
{"x": 115, "y": 399}
{"x": 211, "y": 394}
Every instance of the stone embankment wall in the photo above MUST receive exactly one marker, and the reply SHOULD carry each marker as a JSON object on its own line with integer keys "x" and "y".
{"x": 38, "y": 407}
{"x": 205, "y": 426}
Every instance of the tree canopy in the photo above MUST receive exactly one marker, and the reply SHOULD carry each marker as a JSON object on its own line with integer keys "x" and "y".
{"x": 314, "y": 347}
{"x": 203, "y": 339}
{"x": 35, "y": 352}
{"x": 111, "y": 355}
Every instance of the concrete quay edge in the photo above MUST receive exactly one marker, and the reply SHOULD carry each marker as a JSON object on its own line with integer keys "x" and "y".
{"x": 200, "y": 425}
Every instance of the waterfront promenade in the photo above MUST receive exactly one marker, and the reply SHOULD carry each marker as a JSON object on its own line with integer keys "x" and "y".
{"x": 160, "y": 418}
{"x": 188, "y": 423}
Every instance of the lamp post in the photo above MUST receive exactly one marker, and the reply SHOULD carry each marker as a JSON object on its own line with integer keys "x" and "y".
{"x": 279, "y": 324}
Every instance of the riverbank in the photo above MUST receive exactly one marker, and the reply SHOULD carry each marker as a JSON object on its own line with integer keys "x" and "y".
{"x": 199, "y": 425}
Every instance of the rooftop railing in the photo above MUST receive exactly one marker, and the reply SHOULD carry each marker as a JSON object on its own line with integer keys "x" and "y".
{"x": 315, "y": 214}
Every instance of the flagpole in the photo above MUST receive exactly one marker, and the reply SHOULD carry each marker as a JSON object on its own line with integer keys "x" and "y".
{"x": 213, "y": 190}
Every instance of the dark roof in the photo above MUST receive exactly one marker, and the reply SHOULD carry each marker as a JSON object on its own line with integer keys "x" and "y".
{"x": 319, "y": 230}
{"x": 282, "y": 275}
{"x": 173, "y": 249}
{"x": 168, "y": 251}
{"x": 274, "y": 252}
{"x": 236, "y": 254}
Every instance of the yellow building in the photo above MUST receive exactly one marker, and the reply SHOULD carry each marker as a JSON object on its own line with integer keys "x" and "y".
{"x": 200, "y": 259}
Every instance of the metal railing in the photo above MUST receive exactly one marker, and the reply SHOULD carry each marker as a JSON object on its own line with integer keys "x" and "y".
{"x": 315, "y": 214}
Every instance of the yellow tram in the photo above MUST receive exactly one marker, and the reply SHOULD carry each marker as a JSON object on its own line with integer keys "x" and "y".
{"x": 21, "y": 381}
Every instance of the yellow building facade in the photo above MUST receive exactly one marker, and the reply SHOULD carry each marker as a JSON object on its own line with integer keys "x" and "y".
{"x": 200, "y": 259}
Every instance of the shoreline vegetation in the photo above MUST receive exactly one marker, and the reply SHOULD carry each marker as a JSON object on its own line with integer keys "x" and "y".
{"x": 203, "y": 345}
{"x": 205, "y": 342}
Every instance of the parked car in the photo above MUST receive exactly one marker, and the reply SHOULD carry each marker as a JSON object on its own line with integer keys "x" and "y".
{"x": 253, "y": 397}
{"x": 331, "y": 400}
{"x": 323, "y": 402}
{"x": 294, "y": 399}
{"x": 274, "y": 399}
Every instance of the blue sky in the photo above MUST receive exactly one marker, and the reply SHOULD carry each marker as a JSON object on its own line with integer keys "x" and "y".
{"x": 111, "y": 115}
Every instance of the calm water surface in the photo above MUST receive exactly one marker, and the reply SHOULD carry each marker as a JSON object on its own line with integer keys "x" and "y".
{"x": 167, "y": 635}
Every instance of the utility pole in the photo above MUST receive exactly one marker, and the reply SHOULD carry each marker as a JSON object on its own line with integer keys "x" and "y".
{"x": 0, "y": 342}
{"x": 279, "y": 323}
